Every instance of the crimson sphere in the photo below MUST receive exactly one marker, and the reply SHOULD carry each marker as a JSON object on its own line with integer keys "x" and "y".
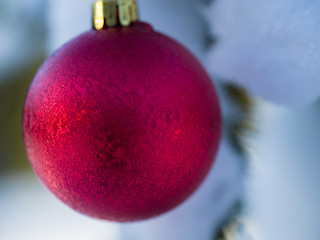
{"x": 121, "y": 123}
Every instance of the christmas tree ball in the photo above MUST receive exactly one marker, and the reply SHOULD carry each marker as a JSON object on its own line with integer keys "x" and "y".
{"x": 122, "y": 123}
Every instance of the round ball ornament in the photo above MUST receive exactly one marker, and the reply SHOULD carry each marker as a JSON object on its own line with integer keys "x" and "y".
{"x": 122, "y": 123}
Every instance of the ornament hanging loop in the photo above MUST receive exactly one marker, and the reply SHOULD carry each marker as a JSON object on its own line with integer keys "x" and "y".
{"x": 111, "y": 13}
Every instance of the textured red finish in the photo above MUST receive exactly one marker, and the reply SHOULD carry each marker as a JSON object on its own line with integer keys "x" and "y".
{"x": 122, "y": 123}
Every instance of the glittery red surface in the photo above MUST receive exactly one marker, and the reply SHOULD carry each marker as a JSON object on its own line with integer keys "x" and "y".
{"x": 122, "y": 123}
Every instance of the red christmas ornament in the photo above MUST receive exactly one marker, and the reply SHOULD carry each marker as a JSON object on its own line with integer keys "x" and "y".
{"x": 122, "y": 123}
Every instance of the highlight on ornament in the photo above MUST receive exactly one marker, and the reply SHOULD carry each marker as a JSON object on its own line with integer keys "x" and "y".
{"x": 121, "y": 123}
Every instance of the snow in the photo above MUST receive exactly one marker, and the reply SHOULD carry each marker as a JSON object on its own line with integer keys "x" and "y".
{"x": 20, "y": 43}
{"x": 283, "y": 191}
{"x": 271, "y": 48}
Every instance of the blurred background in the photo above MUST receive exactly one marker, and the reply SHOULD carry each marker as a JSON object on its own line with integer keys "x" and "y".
{"x": 265, "y": 182}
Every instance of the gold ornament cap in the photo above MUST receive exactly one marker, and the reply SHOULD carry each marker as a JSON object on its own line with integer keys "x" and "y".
{"x": 111, "y": 13}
